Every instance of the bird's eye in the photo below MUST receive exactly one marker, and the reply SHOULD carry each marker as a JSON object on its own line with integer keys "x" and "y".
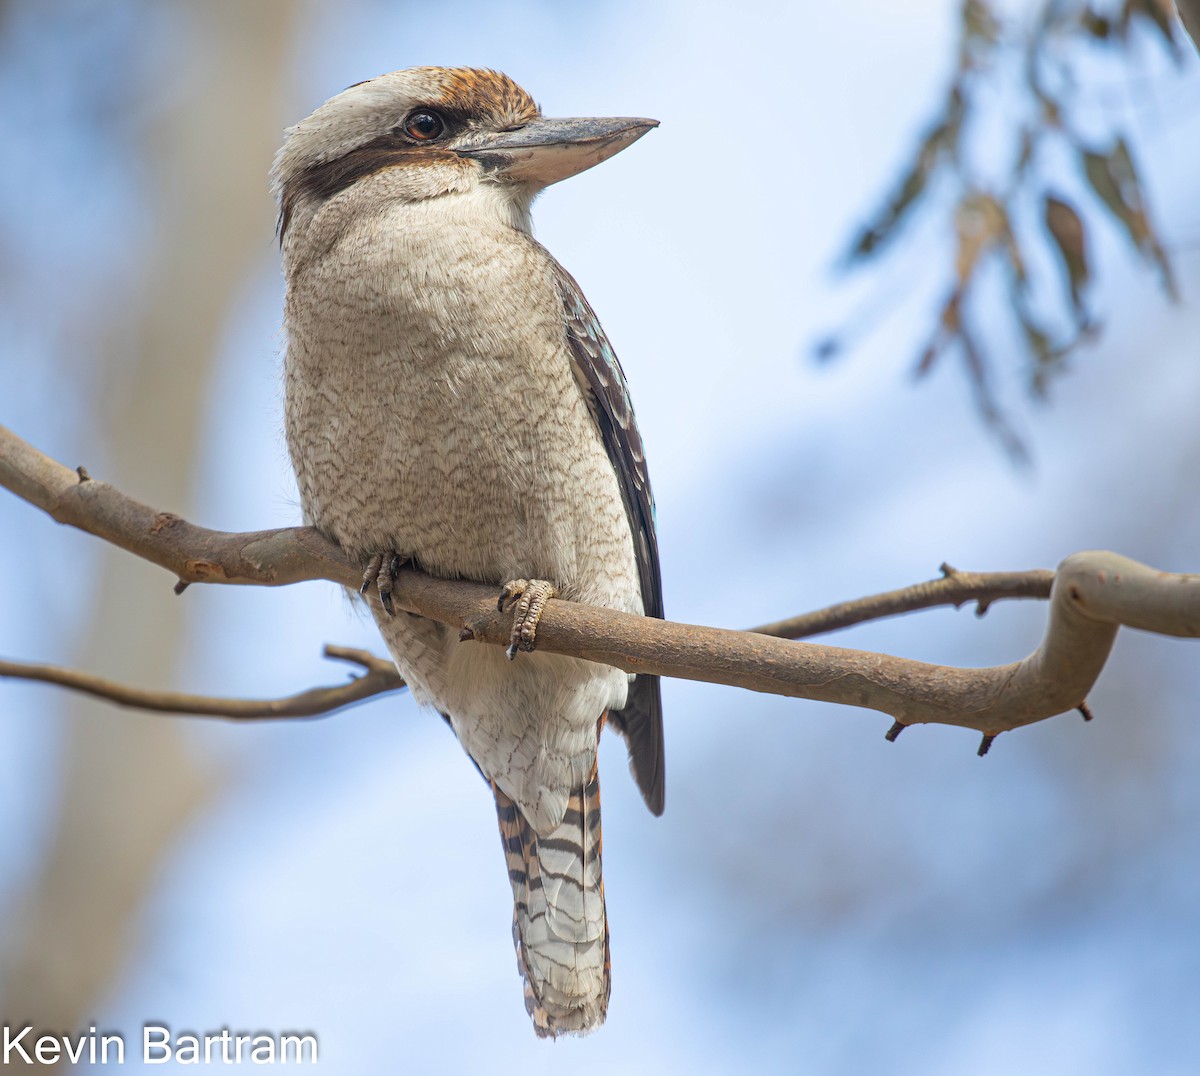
{"x": 424, "y": 125}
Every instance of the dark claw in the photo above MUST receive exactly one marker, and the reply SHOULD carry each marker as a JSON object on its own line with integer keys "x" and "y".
{"x": 895, "y": 731}
{"x": 382, "y": 573}
{"x": 509, "y": 596}
{"x": 985, "y": 745}
{"x": 386, "y": 582}
{"x": 371, "y": 573}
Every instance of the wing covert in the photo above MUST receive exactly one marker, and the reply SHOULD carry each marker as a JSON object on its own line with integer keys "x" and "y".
{"x": 603, "y": 384}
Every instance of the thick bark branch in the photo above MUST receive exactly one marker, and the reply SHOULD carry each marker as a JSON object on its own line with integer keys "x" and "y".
{"x": 1092, "y": 594}
{"x": 195, "y": 554}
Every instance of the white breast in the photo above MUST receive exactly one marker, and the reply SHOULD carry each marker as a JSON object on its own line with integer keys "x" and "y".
{"x": 431, "y": 409}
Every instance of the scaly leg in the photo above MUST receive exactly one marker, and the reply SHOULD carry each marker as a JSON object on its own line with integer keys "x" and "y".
{"x": 527, "y": 598}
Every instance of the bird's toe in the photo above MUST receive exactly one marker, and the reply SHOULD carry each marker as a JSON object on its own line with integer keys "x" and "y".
{"x": 381, "y": 572}
{"x": 527, "y": 598}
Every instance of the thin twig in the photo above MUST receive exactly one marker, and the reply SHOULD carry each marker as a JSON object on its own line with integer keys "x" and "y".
{"x": 379, "y": 676}
{"x": 954, "y": 588}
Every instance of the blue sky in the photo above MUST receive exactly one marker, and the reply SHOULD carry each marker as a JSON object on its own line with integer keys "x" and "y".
{"x": 815, "y": 899}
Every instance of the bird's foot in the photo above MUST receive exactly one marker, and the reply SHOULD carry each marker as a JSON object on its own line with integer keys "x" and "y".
{"x": 381, "y": 572}
{"x": 527, "y": 598}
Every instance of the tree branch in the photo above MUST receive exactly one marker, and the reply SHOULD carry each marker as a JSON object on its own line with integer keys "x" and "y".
{"x": 194, "y": 554}
{"x": 954, "y": 588}
{"x": 1092, "y": 594}
{"x": 379, "y": 676}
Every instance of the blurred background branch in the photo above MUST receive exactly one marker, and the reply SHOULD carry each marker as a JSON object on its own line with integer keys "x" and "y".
{"x": 197, "y": 159}
{"x": 1189, "y": 12}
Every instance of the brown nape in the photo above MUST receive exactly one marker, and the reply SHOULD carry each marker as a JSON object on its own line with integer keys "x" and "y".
{"x": 322, "y": 181}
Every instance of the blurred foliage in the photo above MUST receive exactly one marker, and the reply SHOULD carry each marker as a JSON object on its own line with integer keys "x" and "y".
{"x": 1016, "y": 90}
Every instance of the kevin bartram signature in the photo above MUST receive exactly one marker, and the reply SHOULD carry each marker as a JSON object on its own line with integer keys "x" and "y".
{"x": 158, "y": 1046}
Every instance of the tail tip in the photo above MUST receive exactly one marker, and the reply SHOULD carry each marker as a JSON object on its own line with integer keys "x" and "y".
{"x": 579, "y": 1019}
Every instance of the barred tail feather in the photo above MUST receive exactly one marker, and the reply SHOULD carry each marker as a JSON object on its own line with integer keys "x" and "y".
{"x": 560, "y": 928}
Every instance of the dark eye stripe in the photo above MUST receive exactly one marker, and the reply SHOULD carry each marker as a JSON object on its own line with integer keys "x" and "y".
{"x": 328, "y": 178}
{"x": 324, "y": 180}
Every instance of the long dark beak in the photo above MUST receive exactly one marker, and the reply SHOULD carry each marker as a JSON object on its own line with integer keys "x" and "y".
{"x": 545, "y": 151}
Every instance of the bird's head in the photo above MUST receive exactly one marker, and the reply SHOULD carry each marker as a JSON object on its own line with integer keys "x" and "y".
{"x": 439, "y": 131}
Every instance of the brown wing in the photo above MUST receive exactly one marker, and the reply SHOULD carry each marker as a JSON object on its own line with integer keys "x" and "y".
{"x": 600, "y": 375}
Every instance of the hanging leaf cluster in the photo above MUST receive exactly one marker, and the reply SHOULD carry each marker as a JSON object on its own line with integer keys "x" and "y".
{"x": 1001, "y": 218}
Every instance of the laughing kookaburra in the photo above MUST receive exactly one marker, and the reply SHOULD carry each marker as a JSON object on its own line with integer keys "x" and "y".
{"x": 451, "y": 400}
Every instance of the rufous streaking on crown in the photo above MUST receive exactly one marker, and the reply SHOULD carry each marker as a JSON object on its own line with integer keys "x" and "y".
{"x": 451, "y": 399}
